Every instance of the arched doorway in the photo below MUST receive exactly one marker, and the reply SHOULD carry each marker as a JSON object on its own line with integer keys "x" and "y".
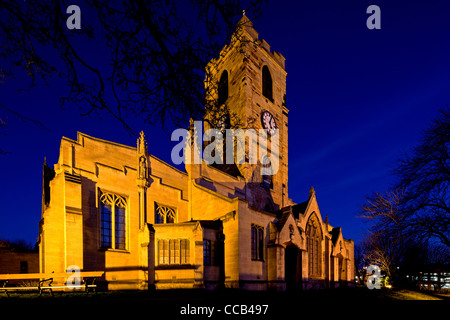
{"x": 292, "y": 267}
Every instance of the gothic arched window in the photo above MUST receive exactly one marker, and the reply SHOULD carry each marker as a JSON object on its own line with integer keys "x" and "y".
{"x": 314, "y": 247}
{"x": 267, "y": 83}
{"x": 257, "y": 242}
{"x": 113, "y": 221}
{"x": 164, "y": 214}
{"x": 223, "y": 88}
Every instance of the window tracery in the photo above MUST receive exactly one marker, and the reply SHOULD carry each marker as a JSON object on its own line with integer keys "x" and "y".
{"x": 164, "y": 214}
{"x": 113, "y": 217}
{"x": 314, "y": 246}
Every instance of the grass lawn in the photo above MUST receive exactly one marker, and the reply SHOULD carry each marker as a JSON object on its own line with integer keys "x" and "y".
{"x": 377, "y": 303}
{"x": 357, "y": 294}
{"x": 404, "y": 294}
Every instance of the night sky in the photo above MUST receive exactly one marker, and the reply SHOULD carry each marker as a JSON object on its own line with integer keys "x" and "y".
{"x": 358, "y": 99}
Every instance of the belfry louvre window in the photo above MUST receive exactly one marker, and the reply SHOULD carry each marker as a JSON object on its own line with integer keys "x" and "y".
{"x": 223, "y": 88}
{"x": 173, "y": 251}
{"x": 113, "y": 221}
{"x": 164, "y": 214}
{"x": 267, "y": 83}
{"x": 257, "y": 234}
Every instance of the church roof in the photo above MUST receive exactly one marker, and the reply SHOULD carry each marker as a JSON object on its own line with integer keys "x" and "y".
{"x": 335, "y": 234}
{"x": 299, "y": 208}
{"x": 230, "y": 169}
{"x": 283, "y": 214}
{"x": 210, "y": 224}
{"x": 282, "y": 217}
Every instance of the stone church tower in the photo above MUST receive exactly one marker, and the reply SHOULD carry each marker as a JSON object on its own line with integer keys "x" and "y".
{"x": 251, "y": 83}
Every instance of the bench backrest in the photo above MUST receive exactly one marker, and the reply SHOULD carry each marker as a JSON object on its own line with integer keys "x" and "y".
{"x": 15, "y": 276}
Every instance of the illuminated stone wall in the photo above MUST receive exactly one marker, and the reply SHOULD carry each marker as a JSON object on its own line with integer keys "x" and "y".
{"x": 204, "y": 207}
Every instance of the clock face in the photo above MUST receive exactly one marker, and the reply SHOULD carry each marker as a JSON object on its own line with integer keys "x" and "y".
{"x": 268, "y": 122}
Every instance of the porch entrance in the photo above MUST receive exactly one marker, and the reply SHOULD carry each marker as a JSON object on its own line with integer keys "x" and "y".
{"x": 293, "y": 267}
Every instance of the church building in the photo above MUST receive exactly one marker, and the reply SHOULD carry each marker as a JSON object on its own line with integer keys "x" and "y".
{"x": 119, "y": 209}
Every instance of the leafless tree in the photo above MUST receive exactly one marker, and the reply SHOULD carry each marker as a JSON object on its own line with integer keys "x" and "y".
{"x": 424, "y": 177}
{"x": 382, "y": 209}
{"x": 157, "y": 54}
{"x": 382, "y": 251}
{"x": 384, "y": 240}
{"x": 22, "y": 117}
{"x": 18, "y": 245}
{"x": 410, "y": 221}
{"x": 418, "y": 206}
{"x": 360, "y": 262}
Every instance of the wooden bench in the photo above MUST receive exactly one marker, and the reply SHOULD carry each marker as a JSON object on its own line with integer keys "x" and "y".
{"x": 46, "y": 280}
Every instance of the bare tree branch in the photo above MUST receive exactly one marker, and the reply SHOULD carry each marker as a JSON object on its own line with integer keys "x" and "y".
{"x": 158, "y": 53}
{"x": 419, "y": 205}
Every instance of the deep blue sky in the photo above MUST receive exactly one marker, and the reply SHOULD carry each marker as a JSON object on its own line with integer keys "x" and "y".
{"x": 358, "y": 98}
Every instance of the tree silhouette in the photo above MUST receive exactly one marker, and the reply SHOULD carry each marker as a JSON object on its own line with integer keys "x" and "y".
{"x": 418, "y": 205}
{"x": 410, "y": 222}
{"x": 158, "y": 51}
{"x": 424, "y": 177}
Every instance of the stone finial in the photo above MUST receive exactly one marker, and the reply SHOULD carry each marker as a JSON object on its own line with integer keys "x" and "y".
{"x": 245, "y": 24}
{"x": 312, "y": 191}
{"x": 142, "y": 144}
{"x": 142, "y": 165}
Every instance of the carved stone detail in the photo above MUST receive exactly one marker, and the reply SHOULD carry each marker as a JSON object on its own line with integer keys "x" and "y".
{"x": 142, "y": 161}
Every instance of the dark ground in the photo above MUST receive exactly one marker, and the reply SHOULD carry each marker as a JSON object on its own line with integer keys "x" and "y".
{"x": 360, "y": 303}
